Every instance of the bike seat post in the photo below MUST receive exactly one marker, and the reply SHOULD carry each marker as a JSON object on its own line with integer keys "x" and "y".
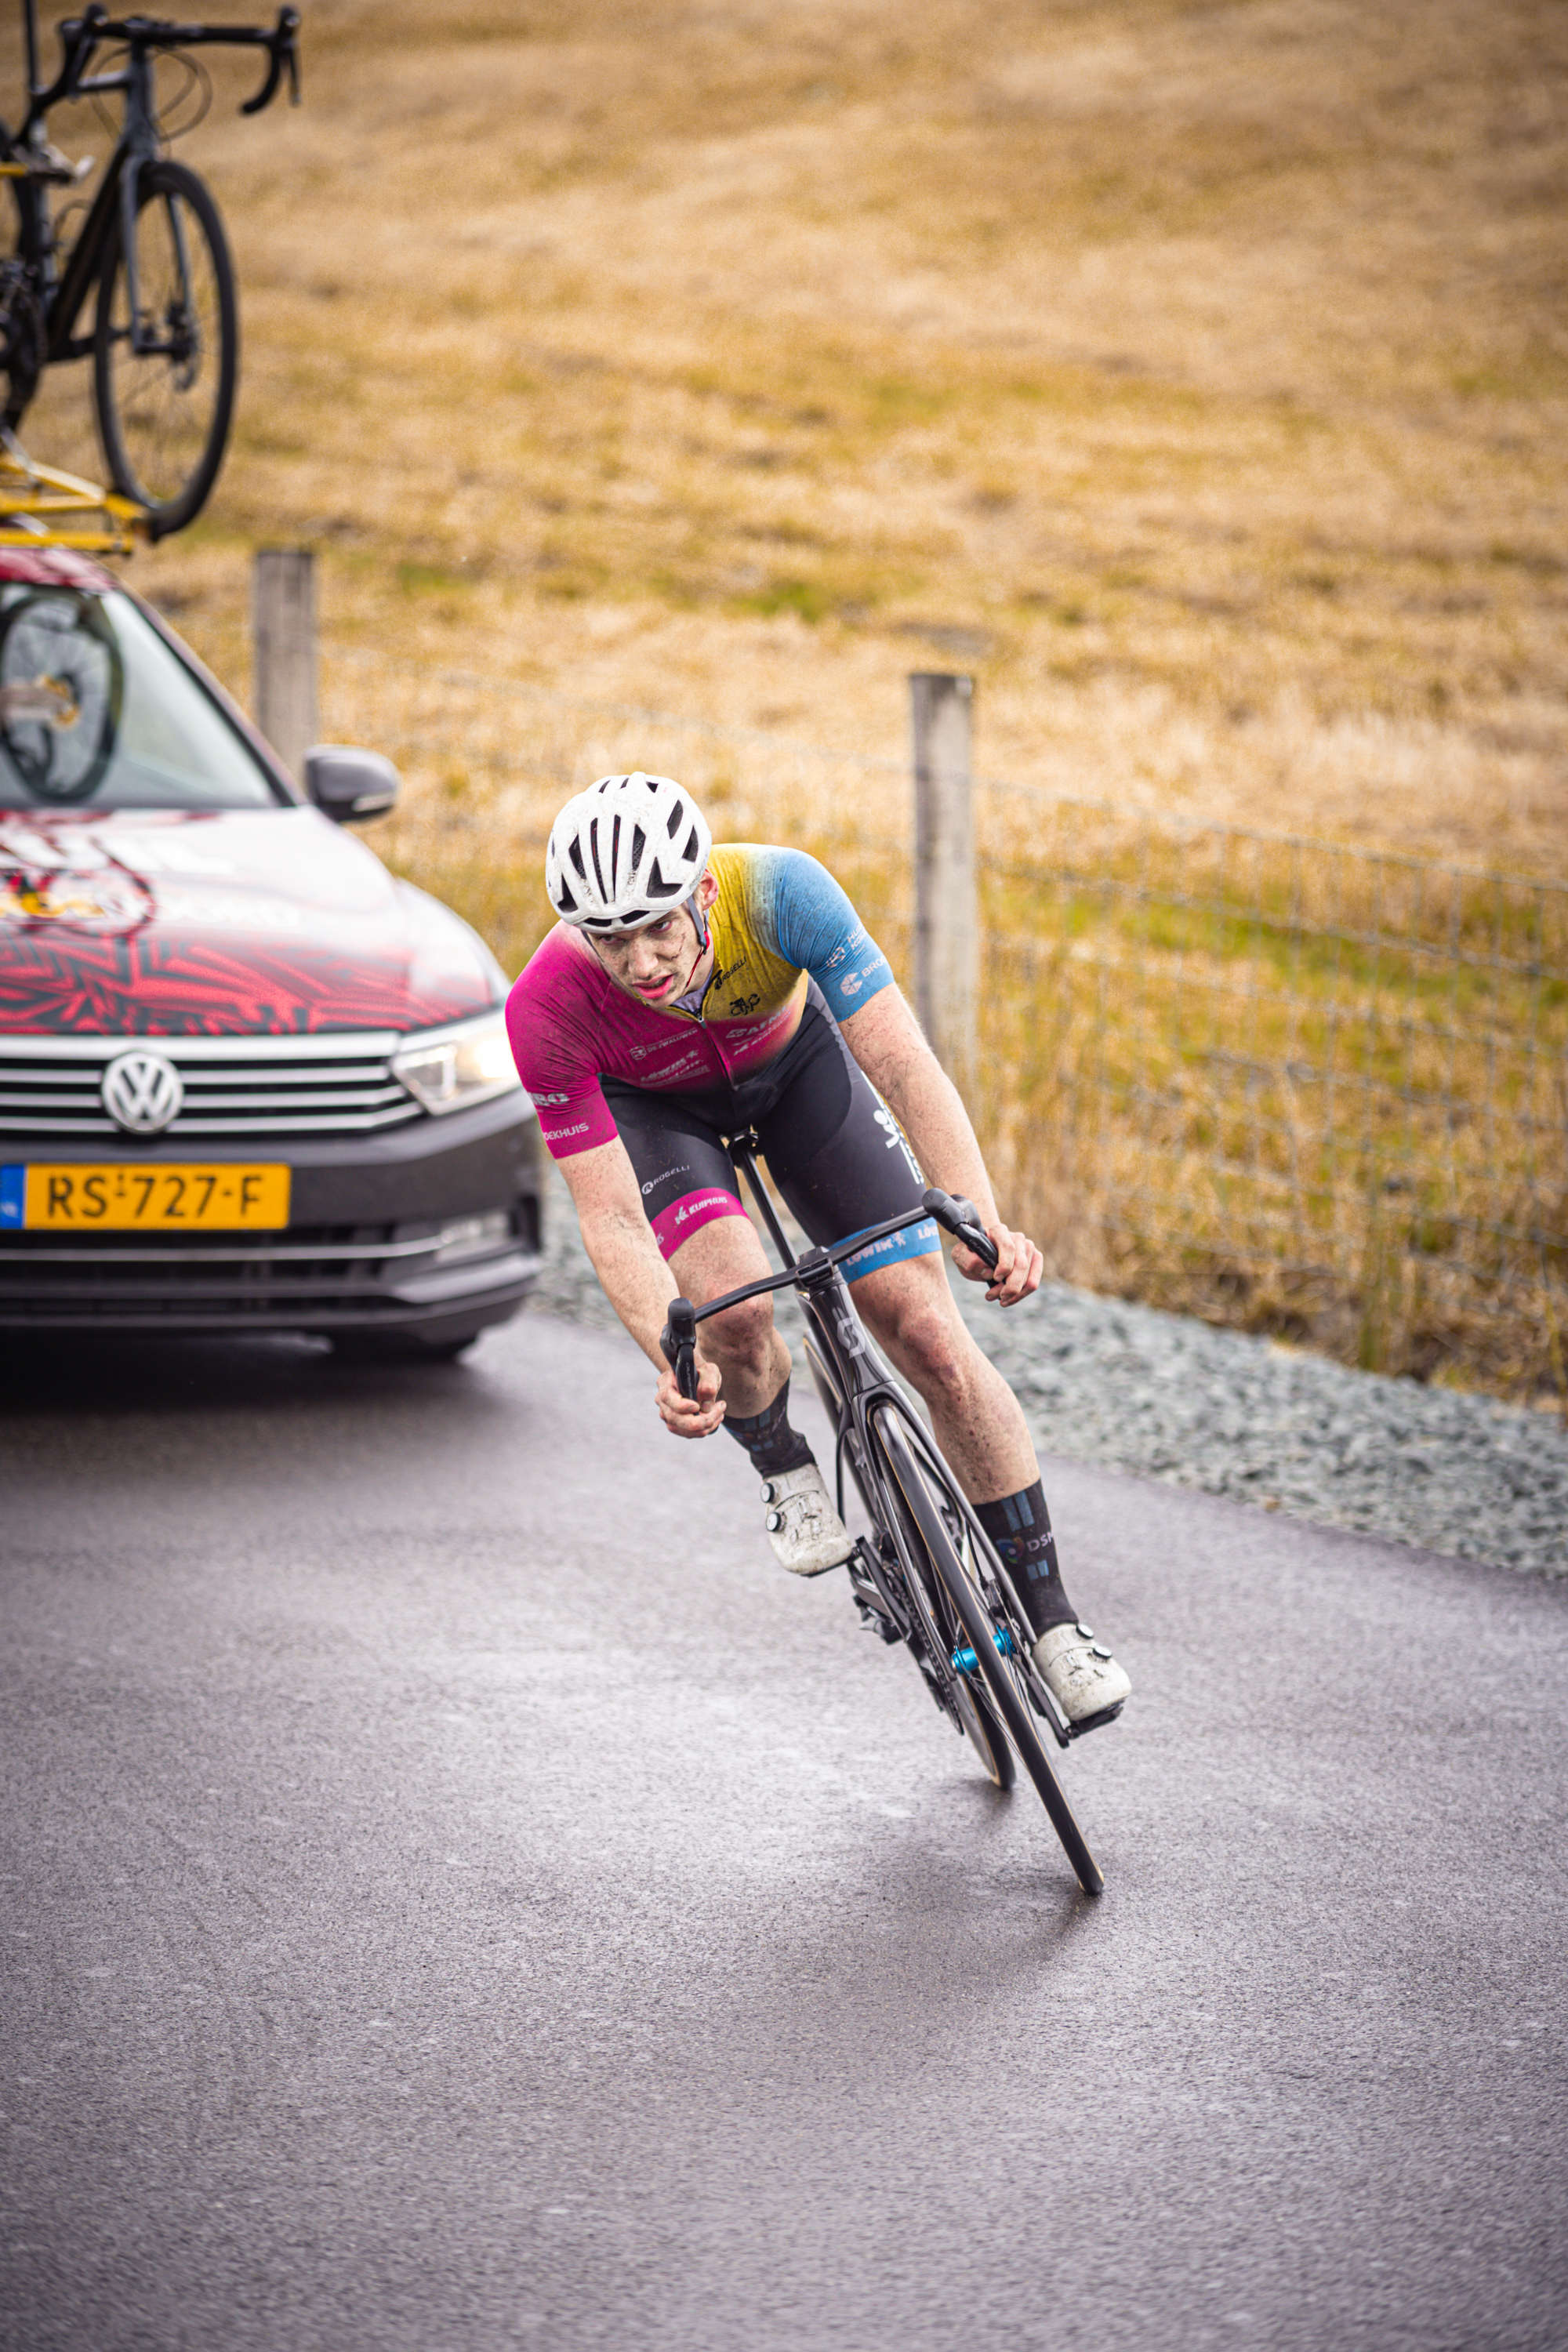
{"x": 743, "y": 1150}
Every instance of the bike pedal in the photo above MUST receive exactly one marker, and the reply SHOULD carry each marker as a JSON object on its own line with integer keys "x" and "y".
{"x": 1093, "y": 1722}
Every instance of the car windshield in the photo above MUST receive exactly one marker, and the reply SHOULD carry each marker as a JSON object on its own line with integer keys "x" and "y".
{"x": 97, "y": 712}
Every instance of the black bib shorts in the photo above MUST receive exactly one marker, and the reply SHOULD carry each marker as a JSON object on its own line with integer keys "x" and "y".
{"x": 834, "y": 1149}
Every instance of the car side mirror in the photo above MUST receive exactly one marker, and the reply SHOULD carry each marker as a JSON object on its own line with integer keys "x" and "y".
{"x": 350, "y": 784}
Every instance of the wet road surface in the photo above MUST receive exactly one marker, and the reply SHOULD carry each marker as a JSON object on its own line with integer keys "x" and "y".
{"x": 457, "y": 1893}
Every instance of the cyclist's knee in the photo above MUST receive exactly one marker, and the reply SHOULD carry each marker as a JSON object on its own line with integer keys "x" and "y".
{"x": 741, "y": 1334}
{"x": 930, "y": 1344}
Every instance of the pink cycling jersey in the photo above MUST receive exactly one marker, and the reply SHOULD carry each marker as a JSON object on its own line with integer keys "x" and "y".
{"x": 779, "y": 916}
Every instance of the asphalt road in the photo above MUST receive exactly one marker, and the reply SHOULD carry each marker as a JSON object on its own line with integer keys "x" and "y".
{"x": 457, "y": 1893}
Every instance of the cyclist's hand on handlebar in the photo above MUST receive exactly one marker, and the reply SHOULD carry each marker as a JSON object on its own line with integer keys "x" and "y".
{"x": 696, "y": 1416}
{"x": 1016, "y": 1271}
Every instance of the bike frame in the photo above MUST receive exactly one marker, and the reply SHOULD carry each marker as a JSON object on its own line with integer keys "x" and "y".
{"x": 145, "y": 39}
{"x": 866, "y": 1392}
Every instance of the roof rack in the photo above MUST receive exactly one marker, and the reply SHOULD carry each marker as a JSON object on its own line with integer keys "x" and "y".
{"x": 41, "y": 506}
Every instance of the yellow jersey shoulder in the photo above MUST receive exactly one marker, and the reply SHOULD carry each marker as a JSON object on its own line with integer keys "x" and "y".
{"x": 750, "y": 976}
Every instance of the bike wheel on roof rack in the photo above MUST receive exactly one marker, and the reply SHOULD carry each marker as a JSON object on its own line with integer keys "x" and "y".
{"x": 164, "y": 383}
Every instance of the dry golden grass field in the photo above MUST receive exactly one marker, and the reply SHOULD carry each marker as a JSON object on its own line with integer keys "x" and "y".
{"x": 1195, "y": 376}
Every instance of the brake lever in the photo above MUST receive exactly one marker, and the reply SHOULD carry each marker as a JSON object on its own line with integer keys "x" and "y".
{"x": 282, "y": 51}
{"x": 962, "y": 1219}
{"x": 678, "y": 1340}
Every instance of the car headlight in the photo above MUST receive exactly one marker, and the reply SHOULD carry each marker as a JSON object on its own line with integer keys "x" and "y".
{"x": 449, "y": 1069}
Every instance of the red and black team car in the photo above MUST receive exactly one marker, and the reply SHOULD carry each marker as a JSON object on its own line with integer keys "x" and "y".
{"x": 248, "y": 1081}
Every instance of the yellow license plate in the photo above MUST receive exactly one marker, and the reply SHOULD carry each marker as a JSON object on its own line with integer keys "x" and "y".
{"x": 115, "y": 1197}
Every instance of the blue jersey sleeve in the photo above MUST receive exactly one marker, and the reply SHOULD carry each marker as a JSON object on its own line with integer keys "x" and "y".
{"x": 817, "y": 927}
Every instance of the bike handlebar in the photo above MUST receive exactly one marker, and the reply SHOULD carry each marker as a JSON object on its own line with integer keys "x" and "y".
{"x": 284, "y": 51}
{"x": 679, "y": 1337}
{"x": 79, "y": 35}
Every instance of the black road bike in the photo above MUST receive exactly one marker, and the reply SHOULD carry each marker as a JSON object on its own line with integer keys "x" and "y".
{"x": 927, "y": 1574}
{"x": 150, "y": 256}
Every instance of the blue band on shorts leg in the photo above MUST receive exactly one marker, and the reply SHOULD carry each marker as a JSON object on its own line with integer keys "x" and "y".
{"x": 915, "y": 1241}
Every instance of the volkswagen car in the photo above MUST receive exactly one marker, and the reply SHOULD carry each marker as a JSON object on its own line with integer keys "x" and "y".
{"x": 248, "y": 1080}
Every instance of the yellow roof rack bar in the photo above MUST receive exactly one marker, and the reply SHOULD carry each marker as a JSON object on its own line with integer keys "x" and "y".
{"x": 41, "y": 506}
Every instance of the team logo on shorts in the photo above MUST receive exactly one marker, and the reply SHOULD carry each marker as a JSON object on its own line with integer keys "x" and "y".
{"x": 896, "y": 1141}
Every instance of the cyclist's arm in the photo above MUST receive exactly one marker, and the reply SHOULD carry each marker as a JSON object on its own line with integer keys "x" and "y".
{"x": 637, "y": 1282}
{"x": 886, "y": 1040}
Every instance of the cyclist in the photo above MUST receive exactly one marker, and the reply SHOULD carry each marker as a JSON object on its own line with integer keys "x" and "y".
{"x": 689, "y": 992}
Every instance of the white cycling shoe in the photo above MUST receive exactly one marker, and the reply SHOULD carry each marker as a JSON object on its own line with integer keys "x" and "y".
{"x": 1080, "y": 1671}
{"x": 806, "y": 1533}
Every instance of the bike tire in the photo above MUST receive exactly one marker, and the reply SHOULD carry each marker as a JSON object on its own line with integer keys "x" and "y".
{"x": 163, "y": 417}
{"x": 913, "y": 1480}
{"x": 986, "y": 1736}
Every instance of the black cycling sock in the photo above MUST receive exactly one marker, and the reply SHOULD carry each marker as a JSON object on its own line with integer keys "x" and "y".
{"x": 1020, "y": 1528}
{"x": 773, "y": 1447}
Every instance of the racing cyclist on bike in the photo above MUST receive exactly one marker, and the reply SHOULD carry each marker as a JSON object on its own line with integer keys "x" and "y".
{"x": 688, "y": 994}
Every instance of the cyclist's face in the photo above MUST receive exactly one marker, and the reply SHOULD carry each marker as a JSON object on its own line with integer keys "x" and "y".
{"x": 655, "y": 964}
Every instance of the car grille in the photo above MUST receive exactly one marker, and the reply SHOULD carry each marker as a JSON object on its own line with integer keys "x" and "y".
{"x": 243, "y": 1088}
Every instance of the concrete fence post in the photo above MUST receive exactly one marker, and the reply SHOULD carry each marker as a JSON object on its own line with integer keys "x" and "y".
{"x": 283, "y": 627}
{"x": 946, "y": 921}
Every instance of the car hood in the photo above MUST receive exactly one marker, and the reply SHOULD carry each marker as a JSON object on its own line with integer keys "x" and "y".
{"x": 217, "y": 923}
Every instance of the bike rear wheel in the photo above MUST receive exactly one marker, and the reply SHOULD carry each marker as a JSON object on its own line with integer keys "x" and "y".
{"x": 928, "y": 1504}
{"x": 164, "y": 412}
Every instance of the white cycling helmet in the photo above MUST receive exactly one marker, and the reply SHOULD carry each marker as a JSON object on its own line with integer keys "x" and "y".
{"x": 624, "y": 852}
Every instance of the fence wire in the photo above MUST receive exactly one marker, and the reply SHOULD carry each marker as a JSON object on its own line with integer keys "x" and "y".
{"x": 1307, "y": 1087}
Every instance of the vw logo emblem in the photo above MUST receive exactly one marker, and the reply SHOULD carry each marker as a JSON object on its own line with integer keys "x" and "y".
{"x": 142, "y": 1093}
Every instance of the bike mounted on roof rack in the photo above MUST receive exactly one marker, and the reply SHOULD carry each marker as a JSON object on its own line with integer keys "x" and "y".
{"x": 151, "y": 256}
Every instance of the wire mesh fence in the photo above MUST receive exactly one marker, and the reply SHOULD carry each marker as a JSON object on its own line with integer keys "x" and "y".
{"x": 1311, "y": 1090}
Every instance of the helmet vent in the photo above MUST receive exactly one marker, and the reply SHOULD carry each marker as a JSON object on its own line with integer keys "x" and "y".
{"x": 615, "y": 862}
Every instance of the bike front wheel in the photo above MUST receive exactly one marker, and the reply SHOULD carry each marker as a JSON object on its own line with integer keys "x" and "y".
{"x": 986, "y": 1736}
{"x": 929, "y": 1506}
{"x": 163, "y": 378}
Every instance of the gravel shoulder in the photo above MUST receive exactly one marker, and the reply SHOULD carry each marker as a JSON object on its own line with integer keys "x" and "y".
{"x": 1162, "y": 1396}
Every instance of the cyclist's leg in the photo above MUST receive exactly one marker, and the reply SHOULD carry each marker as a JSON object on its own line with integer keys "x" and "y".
{"x": 980, "y": 1430}
{"x": 978, "y": 1421}
{"x": 692, "y": 1197}
{"x": 841, "y": 1162}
